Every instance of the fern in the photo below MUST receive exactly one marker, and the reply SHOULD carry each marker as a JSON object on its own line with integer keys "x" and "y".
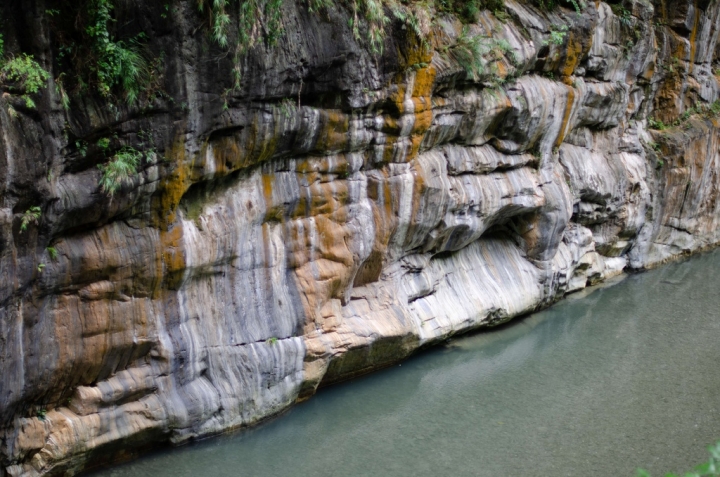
{"x": 31, "y": 216}
{"x": 117, "y": 63}
{"x": 120, "y": 170}
{"x": 52, "y": 251}
{"x": 470, "y": 52}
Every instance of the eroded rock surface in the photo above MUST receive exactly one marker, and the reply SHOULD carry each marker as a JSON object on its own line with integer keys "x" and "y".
{"x": 338, "y": 212}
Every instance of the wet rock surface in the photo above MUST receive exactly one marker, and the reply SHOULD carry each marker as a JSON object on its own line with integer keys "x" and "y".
{"x": 339, "y": 211}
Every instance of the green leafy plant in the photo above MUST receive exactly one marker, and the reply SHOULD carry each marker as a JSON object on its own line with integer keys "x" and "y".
{"x": 116, "y": 62}
{"x": 656, "y": 124}
{"x": 287, "y": 107}
{"x": 41, "y": 413}
{"x": 551, "y": 5}
{"x": 27, "y": 74}
{"x": 60, "y": 90}
{"x": 40, "y": 267}
{"x": 52, "y": 251}
{"x": 30, "y": 216}
{"x": 257, "y": 19}
{"x": 557, "y": 35}
{"x": 711, "y": 468}
{"x": 714, "y": 108}
{"x": 708, "y": 111}
{"x": 410, "y": 19}
{"x": 475, "y": 52}
{"x": 469, "y": 10}
{"x": 373, "y": 14}
{"x": 147, "y": 144}
{"x": 119, "y": 170}
{"x": 104, "y": 143}
{"x": 81, "y": 147}
{"x": 622, "y": 13}
{"x": 271, "y": 341}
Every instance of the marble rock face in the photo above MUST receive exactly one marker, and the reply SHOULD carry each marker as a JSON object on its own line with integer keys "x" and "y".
{"x": 340, "y": 210}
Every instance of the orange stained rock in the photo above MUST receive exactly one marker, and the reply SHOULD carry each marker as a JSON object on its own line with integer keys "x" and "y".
{"x": 319, "y": 281}
{"x": 332, "y": 243}
{"x": 385, "y": 220}
{"x": 333, "y": 135}
{"x": 174, "y": 185}
{"x": 693, "y": 36}
{"x": 424, "y": 82}
{"x": 667, "y": 100}
{"x": 416, "y": 51}
{"x": 569, "y": 103}
{"x": 173, "y": 254}
{"x": 573, "y": 54}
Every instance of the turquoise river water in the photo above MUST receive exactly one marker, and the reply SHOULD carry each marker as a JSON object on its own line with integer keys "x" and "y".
{"x": 601, "y": 383}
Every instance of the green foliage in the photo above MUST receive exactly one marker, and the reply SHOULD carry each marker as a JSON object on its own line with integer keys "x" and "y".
{"x": 30, "y": 216}
{"x": 551, "y": 5}
{"x": 315, "y": 6}
{"x": 271, "y": 341}
{"x": 410, "y": 19}
{"x": 656, "y": 124}
{"x": 557, "y": 35}
{"x": 104, "y": 143}
{"x": 707, "y": 111}
{"x": 256, "y": 20}
{"x": 469, "y": 10}
{"x": 119, "y": 170}
{"x": 60, "y": 90}
{"x": 373, "y": 14}
{"x": 711, "y": 468}
{"x": 287, "y": 107}
{"x": 52, "y": 251}
{"x": 714, "y": 108}
{"x": 27, "y": 74}
{"x": 41, "y": 413}
{"x": 82, "y": 147}
{"x": 147, "y": 144}
{"x": 622, "y": 13}
{"x": 475, "y": 52}
{"x": 116, "y": 63}
{"x": 40, "y": 267}
{"x": 261, "y": 20}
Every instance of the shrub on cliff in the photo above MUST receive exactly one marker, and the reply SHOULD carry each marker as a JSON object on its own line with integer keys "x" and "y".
{"x": 22, "y": 73}
{"x": 121, "y": 168}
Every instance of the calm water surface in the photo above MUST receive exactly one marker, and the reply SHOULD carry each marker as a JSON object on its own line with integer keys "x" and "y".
{"x": 599, "y": 384}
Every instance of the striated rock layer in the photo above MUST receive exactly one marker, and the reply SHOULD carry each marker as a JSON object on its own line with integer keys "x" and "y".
{"x": 337, "y": 212}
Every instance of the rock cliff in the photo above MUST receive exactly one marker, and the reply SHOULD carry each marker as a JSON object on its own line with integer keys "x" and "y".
{"x": 317, "y": 208}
